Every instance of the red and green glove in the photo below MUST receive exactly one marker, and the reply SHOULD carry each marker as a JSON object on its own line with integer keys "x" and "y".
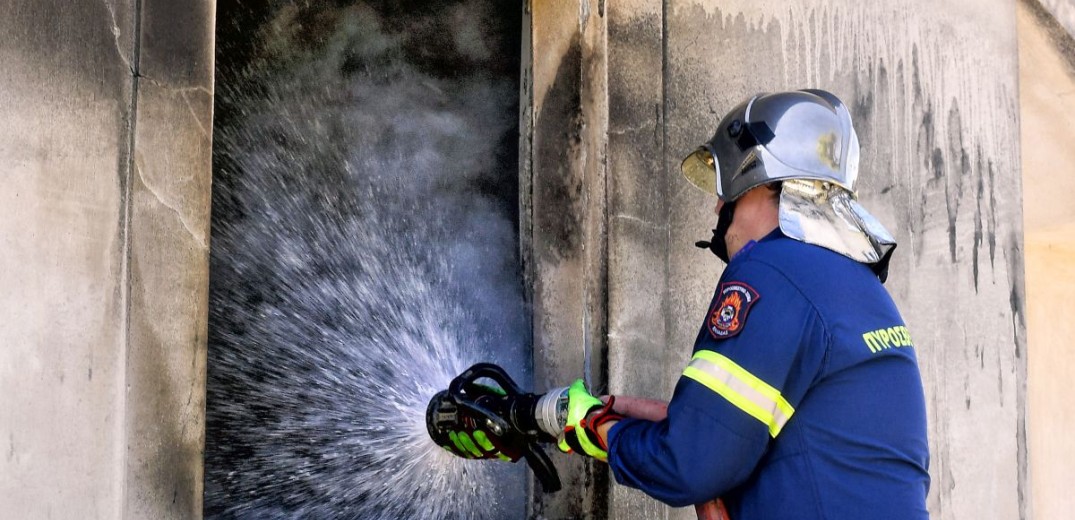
{"x": 585, "y": 413}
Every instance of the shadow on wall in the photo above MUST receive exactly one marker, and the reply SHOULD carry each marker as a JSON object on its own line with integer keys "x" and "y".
{"x": 364, "y": 251}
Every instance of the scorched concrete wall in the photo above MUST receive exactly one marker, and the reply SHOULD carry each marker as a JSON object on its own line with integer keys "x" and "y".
{"x": 105, "y": 135}
{"x": 619, "y": 91}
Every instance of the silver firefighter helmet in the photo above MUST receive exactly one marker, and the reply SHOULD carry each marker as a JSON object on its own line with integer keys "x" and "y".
{"x": 805, "y": 134}
{"x": 805, "y": 140}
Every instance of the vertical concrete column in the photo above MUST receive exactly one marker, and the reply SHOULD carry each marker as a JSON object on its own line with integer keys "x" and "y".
{"x": 105, "y": 139}
{"x": 639, "y": 298}
{"x": 933, "y": 89}
{"x": 168, "y": 255}
{"x": 563, "y": 218}
{"x": 1046, "y": 80}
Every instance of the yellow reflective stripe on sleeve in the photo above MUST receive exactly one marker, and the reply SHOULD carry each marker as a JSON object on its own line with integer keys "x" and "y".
{"x": 741, "y": 388}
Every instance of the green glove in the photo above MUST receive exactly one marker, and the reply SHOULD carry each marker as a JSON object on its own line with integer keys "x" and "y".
{"x": 474, "y": 444}
{"x": 471, "y": 440}
{"x": 580, "y": 432}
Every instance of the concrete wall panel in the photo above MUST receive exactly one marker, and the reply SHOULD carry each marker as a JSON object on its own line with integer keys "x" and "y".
{"x": 169, "y": 257}
{"x": 934, "y": 101}
{"x": 563, "y": 219}
{"x": 89, "y": 264}
{"x": 638, "y": 298}
{"x": 933, "y": 90}
{"x": 61, "y": 262}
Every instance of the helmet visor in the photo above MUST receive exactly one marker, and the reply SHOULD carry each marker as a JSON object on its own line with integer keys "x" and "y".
{"x": 700, "y": 169}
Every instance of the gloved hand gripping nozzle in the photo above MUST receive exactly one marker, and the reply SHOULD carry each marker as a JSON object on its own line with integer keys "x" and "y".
{"x": 507, "y": 422}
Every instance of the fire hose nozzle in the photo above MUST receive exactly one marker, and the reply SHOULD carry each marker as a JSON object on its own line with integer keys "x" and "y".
{"x": 519, "y": 419}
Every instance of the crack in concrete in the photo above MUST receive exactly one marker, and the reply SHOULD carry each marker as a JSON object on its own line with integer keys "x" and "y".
{"x": 632, "y": 129}
{"x": 183, "y": 92}
{"x": 164, "y": 86}
{"x": 115, "y": 35}
{"x": 199, "y": 237}
{"x": 687, "y": 128}
{"x": 644, "y": 222}
{"x": 634, "y": 337}
{"x": 194, "y": 113}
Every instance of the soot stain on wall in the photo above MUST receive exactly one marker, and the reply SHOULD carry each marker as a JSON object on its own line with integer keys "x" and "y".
{"x": 958, "y": 170}
{"x": 978, "y": 231}
{"x": 1016, "y": 293}
{"x": 558, "y": 191}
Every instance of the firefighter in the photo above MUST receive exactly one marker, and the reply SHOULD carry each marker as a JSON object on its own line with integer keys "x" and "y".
{"x": 803, "y": 397}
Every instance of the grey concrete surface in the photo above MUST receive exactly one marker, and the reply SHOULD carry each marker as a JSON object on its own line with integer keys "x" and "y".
{"x": 1046, "y": 81}
{"x": 105, "y": 135}
{"x": 933, "y": 88}
{"x": 562, "y": 211}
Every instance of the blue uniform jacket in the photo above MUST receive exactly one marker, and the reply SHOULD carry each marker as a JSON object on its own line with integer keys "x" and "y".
{"x": 803, "y": 398}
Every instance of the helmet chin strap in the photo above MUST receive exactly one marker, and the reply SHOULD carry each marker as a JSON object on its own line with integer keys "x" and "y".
{"x": 718, "y": 245}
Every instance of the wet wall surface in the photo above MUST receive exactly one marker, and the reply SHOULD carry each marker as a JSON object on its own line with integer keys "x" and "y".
{"x": 104, "y": 149}
{"x": 933, "y": 90}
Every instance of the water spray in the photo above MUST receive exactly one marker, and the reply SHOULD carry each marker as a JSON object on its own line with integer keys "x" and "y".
{"x": 522, "y": 420}
{"x": 333, "y": 321}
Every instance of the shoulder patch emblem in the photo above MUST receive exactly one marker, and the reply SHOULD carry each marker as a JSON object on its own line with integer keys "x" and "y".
{"x": 729, "y": 313}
